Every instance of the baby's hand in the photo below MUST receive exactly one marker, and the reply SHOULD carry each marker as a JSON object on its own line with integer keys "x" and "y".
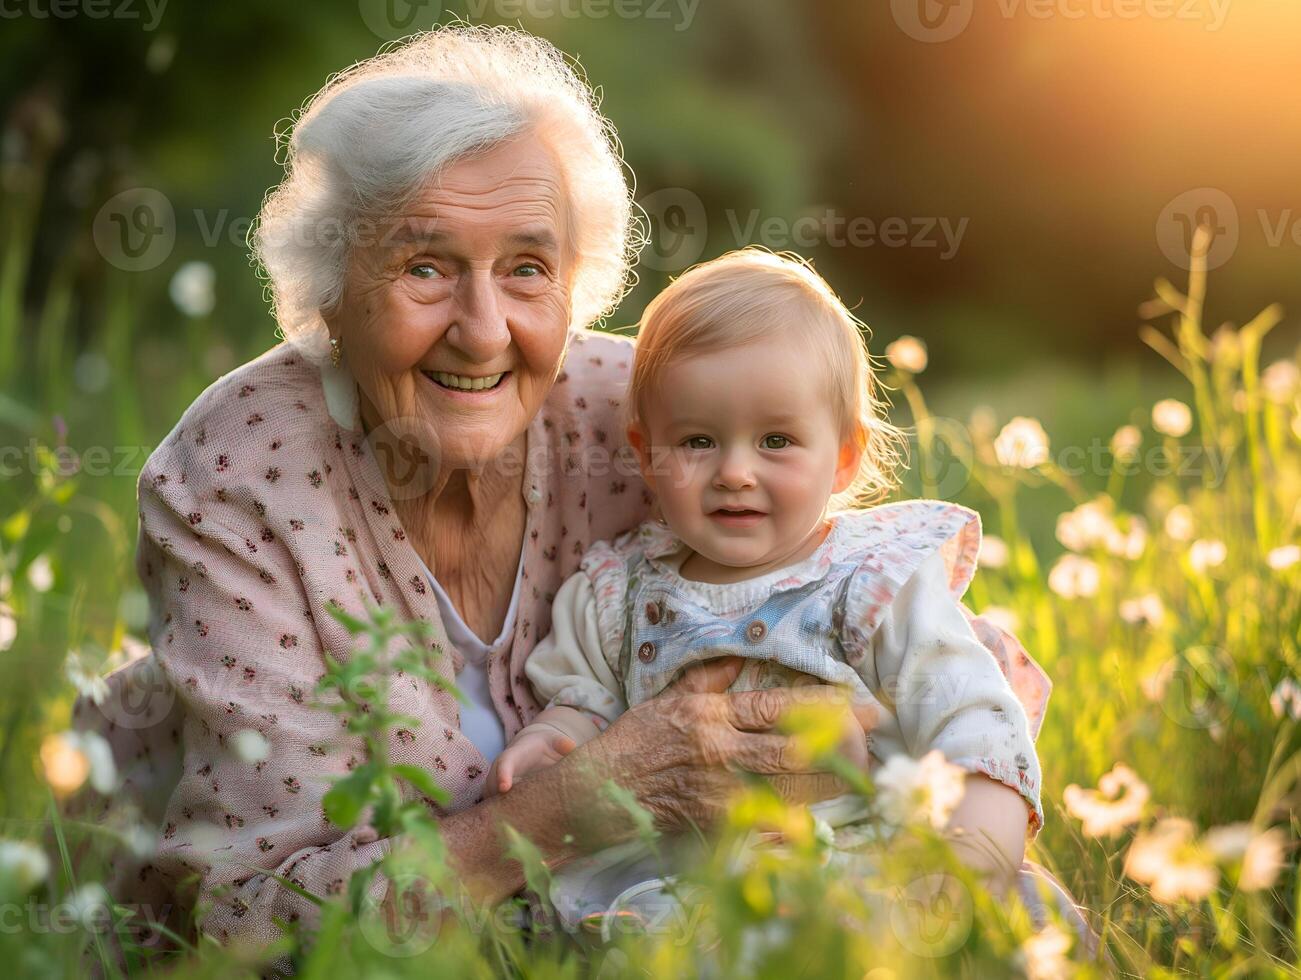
{"x": 535, "y": 747}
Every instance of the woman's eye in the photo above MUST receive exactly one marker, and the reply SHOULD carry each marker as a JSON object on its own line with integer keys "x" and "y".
{"x": 775, "y": 442}
{"x": 698, "y": 442}
{"x": 528, "y": 270}
{"x": 423, "y": 270}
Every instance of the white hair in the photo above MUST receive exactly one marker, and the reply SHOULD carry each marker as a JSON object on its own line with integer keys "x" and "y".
{"x": 368, "y": 141}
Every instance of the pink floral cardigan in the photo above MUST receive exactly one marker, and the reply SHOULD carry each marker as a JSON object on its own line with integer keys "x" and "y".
{"x": 264, "y": 504}
{"x": 261, "y": 506}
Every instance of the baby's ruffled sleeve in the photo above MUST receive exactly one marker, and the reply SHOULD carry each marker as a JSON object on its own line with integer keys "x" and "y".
{"x": 947, "y": 690}
{"x": 569, "y": 667}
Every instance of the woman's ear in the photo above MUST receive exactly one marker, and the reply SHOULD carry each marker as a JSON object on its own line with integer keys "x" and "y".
{"x": 849, "y": 460}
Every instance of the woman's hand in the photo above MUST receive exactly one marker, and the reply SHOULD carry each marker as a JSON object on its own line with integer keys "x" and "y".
{"x": 679, "y": 752}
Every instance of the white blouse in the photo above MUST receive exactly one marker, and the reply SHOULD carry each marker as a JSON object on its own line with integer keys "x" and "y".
{"x": 479, "y": 721}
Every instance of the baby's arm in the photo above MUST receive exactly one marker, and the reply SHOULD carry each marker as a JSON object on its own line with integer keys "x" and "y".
{"x": 949, "y": 693}
{"x": 569, "y": 670}
{"x": 551, "y": 736}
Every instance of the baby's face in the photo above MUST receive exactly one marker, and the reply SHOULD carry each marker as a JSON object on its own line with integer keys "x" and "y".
{"x": 745, "y": 452}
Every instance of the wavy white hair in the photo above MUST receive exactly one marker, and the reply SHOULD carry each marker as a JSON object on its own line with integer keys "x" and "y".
{"x": 367, "y": 142}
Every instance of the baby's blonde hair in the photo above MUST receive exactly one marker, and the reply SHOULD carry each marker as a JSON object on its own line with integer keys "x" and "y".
{"x": 751, "y": 294}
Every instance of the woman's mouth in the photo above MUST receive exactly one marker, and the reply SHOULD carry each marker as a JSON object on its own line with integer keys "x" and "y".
{"x": 737, "y": 518}
{"x": 466, "y": 383}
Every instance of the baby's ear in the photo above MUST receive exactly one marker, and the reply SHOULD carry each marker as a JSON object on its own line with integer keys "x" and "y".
{"x": 849, "y": 460}
{"x": 640, "y": 443}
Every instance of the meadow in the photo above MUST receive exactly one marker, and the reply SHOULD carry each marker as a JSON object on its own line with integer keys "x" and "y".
{"x": 1153, "y": 569}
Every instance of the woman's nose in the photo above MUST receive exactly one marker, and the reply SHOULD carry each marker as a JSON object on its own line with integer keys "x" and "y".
{"x": 479, "y": 327}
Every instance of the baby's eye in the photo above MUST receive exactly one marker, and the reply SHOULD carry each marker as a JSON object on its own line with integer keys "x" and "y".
{"x": 423, "y": 270}
{"x": 775, "y": 442}
{"x": 698, "y": 442}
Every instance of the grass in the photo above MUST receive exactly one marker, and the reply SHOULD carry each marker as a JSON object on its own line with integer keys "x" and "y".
{"x": 1177, "y": 688}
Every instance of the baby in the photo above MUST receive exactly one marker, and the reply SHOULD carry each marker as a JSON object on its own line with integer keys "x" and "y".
{"x": 754, "y": 414}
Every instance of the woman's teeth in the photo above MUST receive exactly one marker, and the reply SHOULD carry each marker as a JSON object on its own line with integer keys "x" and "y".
{"x": 463, "y": 383}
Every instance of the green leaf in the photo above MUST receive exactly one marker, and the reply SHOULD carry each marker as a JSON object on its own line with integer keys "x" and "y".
{"x": 536, "y": 875}
{"x": 627, "y": 800}
{"x": 347, "y": 621}
{"x": 423, "y": 780}
{"x": 346, "y": 798}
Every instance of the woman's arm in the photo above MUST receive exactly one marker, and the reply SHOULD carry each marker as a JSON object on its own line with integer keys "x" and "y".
{"x": 676, "y": 753}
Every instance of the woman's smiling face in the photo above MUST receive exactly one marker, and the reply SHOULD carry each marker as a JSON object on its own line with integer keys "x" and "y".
{"x": 457, "y": 314}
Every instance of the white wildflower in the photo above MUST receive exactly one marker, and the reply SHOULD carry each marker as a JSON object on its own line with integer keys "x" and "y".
{"x": 1179, "y": 523}
{"x": 1116, "y": 804}
{"x": 192, "y": 289}
{"x": 1206, "y": 553}
{"x": 1128, "y": 543}
{"x": 923, "y": 790}
{"x": 1043, "y": 955}
{"x": 1172, "y": 417}
{"x": 1286, "y": 698}
{"x": 1074, "y": 577}
{"x": 1087, "y": 525}
{"x": 907, "y": 354}
{"x": 8, "y": 627}
{"x": 1022, "y": 443}
{"x": 23, "y": 866}
{"x": 251, "y": 746}
{"x": 1147, "y": 609}
{"x": 1002, "y": 617}
{"x": 40, "y": 574}
{"x": 1171, "y": 863}
{"x": 85, "y": 679}
{"x": 88, "y": 904}
{"x": 1283, "y": 557}
{"x": 1126, "y": 442}
{"x": 993, "y": 552}
{"x": 1261, "y": 853}
{"x": 1280, "y": 380}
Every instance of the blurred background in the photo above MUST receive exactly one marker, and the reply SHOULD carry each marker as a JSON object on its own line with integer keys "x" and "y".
{"x": 1004, "y": 179}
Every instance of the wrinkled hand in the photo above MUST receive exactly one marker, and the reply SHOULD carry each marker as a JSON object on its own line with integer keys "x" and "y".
{"x": 535, "y": 747}
{"x": 679, "y": 752}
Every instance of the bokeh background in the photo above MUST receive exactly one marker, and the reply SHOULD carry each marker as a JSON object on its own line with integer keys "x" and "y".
{"x": 1003, "y": 179}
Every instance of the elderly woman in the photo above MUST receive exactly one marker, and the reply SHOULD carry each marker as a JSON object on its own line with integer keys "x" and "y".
{"x": 439, "y": 433}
